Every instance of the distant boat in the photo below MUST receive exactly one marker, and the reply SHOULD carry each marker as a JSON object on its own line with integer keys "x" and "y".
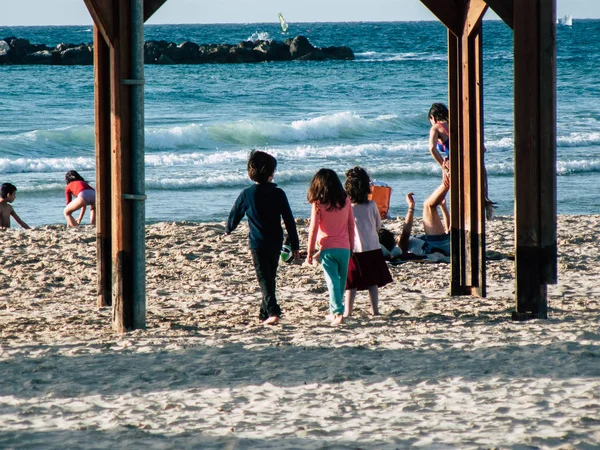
{"x": 566, "y": 21}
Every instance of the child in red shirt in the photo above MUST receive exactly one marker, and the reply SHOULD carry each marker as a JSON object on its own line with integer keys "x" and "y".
{"x": 84, "y": 196}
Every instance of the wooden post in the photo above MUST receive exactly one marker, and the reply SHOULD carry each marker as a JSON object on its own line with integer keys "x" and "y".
{"x": 120, "y": 58}
{"x": 457, "y": 238}
{"x": 472, "y": 196}
{"x": 463, "y": 18}
{"x": 535, "y": 156}
{"x": 113, "y": 69}
{"x": 103, "y": 191}
{"x": 547, "y": 49}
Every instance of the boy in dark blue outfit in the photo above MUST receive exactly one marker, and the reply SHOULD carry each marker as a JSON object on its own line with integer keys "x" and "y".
{"x": 265, "y": 204}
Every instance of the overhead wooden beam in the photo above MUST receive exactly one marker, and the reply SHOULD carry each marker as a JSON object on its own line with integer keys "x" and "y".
{"x": 449, "y": 12}
{"x": 103, "y": 181}
{"x": 103, "y": 15}
{"x": 505, "y": 10}
{"x": 151, "y": 6}
{"x": 475, "y": 10}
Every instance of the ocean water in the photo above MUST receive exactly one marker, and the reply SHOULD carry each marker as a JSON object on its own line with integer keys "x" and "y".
{"x": 202, "y": 120}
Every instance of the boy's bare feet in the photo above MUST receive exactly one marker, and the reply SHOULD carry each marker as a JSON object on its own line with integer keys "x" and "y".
{"x": 273, "y": 320}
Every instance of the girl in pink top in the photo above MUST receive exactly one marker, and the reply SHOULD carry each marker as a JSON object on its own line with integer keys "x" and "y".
{"x": 332, "y": 225}
{"x": 84, "y": 195}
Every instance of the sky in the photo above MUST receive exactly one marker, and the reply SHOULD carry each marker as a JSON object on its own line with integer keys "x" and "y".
{"x": 74, "y": 12}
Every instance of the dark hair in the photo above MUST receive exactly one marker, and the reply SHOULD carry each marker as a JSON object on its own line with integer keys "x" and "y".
{"x": 6, "y": 189}
{"x": 72, "y": 175}
{"x": 439, "y": 112}
{"x": 261, "y": 166}
{"x": 386, "y": 238}
{"x": 358, "y": 185}
{"x": 326, "y": 188}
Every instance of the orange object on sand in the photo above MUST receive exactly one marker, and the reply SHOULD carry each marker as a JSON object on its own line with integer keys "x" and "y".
{"x": 381, "y": 195}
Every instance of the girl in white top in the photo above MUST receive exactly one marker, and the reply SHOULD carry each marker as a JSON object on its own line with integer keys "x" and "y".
{"x": 367, "y": 269}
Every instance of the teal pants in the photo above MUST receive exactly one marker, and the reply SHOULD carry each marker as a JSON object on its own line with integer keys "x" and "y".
{"x": 335, "y": 268}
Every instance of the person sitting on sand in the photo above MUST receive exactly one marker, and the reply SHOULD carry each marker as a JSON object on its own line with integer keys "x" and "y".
{"x": 332, "y": 225}
{"x": 435, "y": 239}
{"x": 8, "y": 193}
{"x": 84, "y": 195}
{"x": 265, "y": 205}
{"x": 436, "y": 232}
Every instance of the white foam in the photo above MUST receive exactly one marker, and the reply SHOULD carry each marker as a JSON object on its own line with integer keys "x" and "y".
{"x": 260, "y": 132}
{"x": 259, "y": 36}
{"x": 175, "y": 136}
{"x": 578, "y": 166}
{"x": 44, "y": 187}
{"x": 579, "y": 139}
{"x": 217, "y": 180}
{"x": 342, "y": 125}
{"x": 30, "y": 165}
{"x": 389, "y": 56}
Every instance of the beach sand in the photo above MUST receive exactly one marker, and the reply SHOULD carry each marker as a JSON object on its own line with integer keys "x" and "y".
{"x": 432, "y": 371}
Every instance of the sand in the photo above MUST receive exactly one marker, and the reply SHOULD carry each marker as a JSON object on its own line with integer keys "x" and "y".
{"x": 432, "y": 371}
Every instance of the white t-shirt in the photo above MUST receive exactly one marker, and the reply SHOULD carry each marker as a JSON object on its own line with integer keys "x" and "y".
{"x": 367, "y": 223}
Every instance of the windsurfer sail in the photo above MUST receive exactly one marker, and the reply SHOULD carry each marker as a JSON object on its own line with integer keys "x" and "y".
{"x": 282, "y": 23}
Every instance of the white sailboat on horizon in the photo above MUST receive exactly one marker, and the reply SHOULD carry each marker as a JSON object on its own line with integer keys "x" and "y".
{"x": 566, "y": 21}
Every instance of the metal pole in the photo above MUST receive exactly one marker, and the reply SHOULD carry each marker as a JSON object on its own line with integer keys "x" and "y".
{"x": 137, "y": 166}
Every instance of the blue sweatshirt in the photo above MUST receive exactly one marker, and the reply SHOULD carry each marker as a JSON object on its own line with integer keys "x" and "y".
{"x": 264, "y": 204}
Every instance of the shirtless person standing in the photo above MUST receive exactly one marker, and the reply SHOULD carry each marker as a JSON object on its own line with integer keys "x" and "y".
{"x": 8, "y": 193}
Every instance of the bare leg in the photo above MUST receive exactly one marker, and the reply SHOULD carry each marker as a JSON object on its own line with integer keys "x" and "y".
{"x": 374, "y": 297}
{"x": 349, "y": 302}
{"x": 446, "y": 215}
{"x": 92, "y": 215}
{"x": 432, "y": 222}
{"x": 402, "y": 241}
{"x": 75, "y": 204}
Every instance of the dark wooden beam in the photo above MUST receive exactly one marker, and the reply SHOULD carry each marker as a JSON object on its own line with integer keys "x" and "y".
{"x": 505, "y": 10}
{"x": 103, "y": 15}
{"x": 122, "y": 277}
{"x": 457, "y": 250}
{"x": 547, "y": 49}
{"x": 449, "y": 12}
{"x": 535, "y": 156}
{"x": 151, "y": 6}
{"x": 103, "y": 181}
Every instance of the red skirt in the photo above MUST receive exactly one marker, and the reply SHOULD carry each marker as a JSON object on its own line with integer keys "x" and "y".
{"x": 367, "y": 269}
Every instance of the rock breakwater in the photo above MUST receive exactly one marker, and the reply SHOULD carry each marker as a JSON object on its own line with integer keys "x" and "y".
{"x": 18, "y": 51}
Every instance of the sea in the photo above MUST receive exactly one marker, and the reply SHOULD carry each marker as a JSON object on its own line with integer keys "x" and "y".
{"x": 201, "y": 121}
